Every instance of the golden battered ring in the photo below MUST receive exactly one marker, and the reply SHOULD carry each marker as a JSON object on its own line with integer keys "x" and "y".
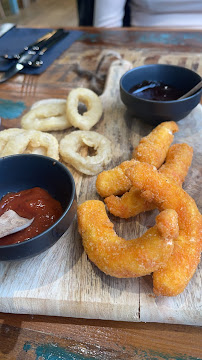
{"x": 46, "y": 115}
{"x": 92, "y": 103}
{"x": 19, "y": 141}
{"x": 6, "y": 135}
{"x": 90, "y": 165}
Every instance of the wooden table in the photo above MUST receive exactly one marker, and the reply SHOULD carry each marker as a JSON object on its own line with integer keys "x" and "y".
{"x": 47, "y": 337}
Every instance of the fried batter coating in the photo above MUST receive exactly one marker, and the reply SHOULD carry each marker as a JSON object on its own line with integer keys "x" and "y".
{"x": 20, "y": 141}
{"x": 178, "y": 161}
{"x": 154, "y": 147}
{"x": 114, "y": 181}
{"x": 93, "y": 105}
{"x": 129, "y": 204}
{"x": 46, "y": 115}
{"x": 122, "y": 258}
{"x": 89, "y": 165}
{"x": 151, "y": 149}
{"x": 166, "y": 194}
{"x": 176, "y": 166}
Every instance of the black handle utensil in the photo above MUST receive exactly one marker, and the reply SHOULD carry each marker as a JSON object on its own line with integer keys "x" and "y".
{"x": 36, "y": 46}
{"x": 32, "y": 58}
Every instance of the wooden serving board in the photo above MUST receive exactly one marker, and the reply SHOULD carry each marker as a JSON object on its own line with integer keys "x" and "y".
{"x": 63, "y": 282}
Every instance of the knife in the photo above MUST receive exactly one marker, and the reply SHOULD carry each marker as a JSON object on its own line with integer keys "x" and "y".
{"x": 35, "y": 46}
{"x": 36, "y": 60}
{"x": 4, "y": 28}
{"x": 32, "y": 58}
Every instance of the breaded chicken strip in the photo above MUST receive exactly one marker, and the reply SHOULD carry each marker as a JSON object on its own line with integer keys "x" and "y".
{"x": 122, "y": 258}
{"x": 172, "y": 279}
{"x": 176, "y": 166}
{"x": 114, "y": 181}
{"x": 178, "y": 161}
{"x": 151, "y": 149}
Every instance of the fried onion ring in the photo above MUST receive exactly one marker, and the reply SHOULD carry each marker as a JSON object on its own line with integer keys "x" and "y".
{"x": 122, "y": 258}
{"x": 151, "y": 149}
{"x": 89, "y": 165}
{"x": 166, "y": 194}
{"x": 19, "y": 141}
{"x": 92, "y": 103}
{"x": 131, "y": 203}
{"x": 46, "y": 115}
{"x": 6, "y": 135}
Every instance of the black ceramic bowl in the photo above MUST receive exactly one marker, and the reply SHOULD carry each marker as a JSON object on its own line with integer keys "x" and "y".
{"x": 152, "y": 111}
{"x": 20, "y": 172}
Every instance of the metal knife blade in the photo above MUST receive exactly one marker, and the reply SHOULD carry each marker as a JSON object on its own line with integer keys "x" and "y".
{"x": 4, "y": 28}
{"x": 11, "y": 72}
{"x": 27, "y": 58}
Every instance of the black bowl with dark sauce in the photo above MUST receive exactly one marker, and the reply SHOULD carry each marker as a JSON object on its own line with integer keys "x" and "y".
{"x": 156, "y": 90}
{"x": 151, "y": 92}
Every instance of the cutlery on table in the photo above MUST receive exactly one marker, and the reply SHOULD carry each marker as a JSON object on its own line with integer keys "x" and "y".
{"x": 36, "y": 59}
{"x": 4, "y": 28}
{"x": 32, "y": 58}
{"x": 35, "y": 46}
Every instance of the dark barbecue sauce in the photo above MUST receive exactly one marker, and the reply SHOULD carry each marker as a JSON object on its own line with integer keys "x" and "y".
{"x": 156, "y": 90}
{"x": 34, "y": 203}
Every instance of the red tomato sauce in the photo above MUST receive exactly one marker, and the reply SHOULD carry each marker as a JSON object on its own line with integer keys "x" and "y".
{"x": 34, "y": 203}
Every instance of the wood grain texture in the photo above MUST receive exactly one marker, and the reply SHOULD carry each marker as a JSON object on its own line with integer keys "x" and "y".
{"x": 24, "y": 337}
{"x": 62, "y": 281}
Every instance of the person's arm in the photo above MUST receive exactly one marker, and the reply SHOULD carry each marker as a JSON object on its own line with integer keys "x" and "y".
{"x": 109, "y": 13}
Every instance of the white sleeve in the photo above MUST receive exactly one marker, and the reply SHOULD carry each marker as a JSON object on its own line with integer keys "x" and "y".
{"x": 109, "y": 13}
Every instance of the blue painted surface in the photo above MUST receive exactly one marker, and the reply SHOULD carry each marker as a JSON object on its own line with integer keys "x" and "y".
{"x": 10, "y": 109}
{"x": 91, "y": 37}
{"x": 165, "y": 38}
{"x": 27, "y": 347}
{"x": 53, "y": 352}
{"x": 141, "y": 37}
